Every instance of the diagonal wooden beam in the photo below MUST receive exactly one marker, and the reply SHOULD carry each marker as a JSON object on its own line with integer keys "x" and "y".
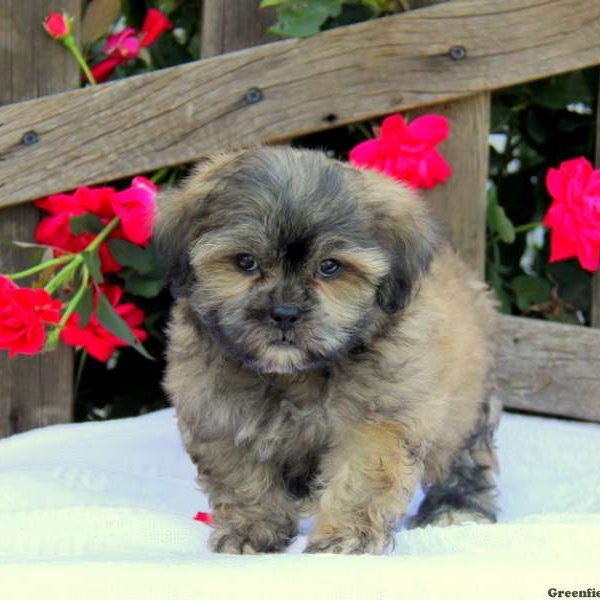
{"x": 289, "y": 88}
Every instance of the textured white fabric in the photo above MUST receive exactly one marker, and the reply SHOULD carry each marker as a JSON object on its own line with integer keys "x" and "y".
{"x": 104, "y": 510}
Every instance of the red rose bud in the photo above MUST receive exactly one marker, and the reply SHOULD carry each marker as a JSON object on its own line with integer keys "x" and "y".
{"x": 154, "y": 25}
{"x": 58, "y": 25}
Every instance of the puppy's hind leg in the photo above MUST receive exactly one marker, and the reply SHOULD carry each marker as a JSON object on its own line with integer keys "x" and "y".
{"x": 467, "y": 492}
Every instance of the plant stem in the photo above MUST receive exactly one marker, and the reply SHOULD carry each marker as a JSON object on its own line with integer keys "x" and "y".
{"x": 71, "y": 45}
{"x": 159, "y": 175}
{"x": 61, "y": 276}
{"x": 78, "y": 376}
{"x": 76, "y": 298}
{"x": 103, "y": 235}
{"x": 527, "y": 227}
{"x": 77, "y": 260}
{"x": 41, "y": 267}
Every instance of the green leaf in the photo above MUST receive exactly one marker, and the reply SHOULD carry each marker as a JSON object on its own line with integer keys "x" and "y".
{"x": 303, "y": 18}
{"x": 111, "y": 321}
{"x": 492, "y": 203}
{"x": 142, "y": 260}
{"x": 146, "y": 287}
{"x": 267, "y": 3}
{"x": 497, "y": 220}
{"x": 84, "y": 307}
{"x": 92, "y": 262}
{"x": 558, "y": 92}
{"x": 86, "y": 223}
{"x": 530, "y": 290}
{"x": 376, "y": 6}
{"x": 504, "y": 226}
{"x": 495, "y": 281}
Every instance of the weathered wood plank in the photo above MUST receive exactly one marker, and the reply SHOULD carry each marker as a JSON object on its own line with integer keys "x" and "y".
{"x": 460, "y": 204}
{"x": 549, "y": 368}
{"x": 34, "y": 391}
{"x": 230, "y": 25}
{"x": 344, "y": 75}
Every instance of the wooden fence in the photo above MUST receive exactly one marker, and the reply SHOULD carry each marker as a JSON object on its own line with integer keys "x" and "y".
{"x": 451, "y": 55}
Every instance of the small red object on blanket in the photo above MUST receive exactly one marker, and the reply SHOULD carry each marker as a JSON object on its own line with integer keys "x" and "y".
{"x": 204, "y": 517}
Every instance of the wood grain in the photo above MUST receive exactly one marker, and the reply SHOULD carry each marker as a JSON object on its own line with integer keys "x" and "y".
{"x": 344, "y": 75}
{"x": 230, "y": 25}
{"x": 549, "y": 368}
{"x": 460, "y": 204}
{"x": 34, "y": 391}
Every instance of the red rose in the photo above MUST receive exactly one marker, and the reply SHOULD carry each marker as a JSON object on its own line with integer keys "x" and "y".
{"x": 94, "y": 338}
{"x": 154, "y": 25}
{"x": 55, "y": 231}
{"x": 574, "y": 215}
{"x": 23, "y": 313}
{"x": 136, "y": 207}
{"x": 124, "y": 46}
{"x": 407, "y": 152}
{"x": 58, "y": 25}
{"x": 103, "y": 70}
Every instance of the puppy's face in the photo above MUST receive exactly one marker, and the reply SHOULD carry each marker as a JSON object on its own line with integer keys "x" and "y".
{"x": 289, "y": 259}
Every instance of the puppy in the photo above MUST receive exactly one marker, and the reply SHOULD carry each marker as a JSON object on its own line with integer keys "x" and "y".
{"x": 327, "y": 352}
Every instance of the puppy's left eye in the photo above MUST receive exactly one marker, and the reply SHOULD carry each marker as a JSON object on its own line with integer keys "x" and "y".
{"x": 329, "y": 267}
{"x": 246, "y": 262}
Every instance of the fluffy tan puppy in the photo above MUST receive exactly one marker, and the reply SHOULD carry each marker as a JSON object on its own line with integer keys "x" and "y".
{"x": 327, "y": 352}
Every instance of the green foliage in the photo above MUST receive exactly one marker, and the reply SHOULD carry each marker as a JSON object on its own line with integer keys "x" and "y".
{"x": 85, "y": 307}
{"x": 541, "y": 123}
{"x": 530, "y": 291}
{"x": 111, "y": 321}
{"x": 143, "y": 260}
{"x": 85, "y": 223}
{"x": 92, "y": 262}
{"x": 497, "y": 221}
{"x": 303, "y": 18}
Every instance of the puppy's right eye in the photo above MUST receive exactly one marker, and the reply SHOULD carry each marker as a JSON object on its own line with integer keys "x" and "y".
{"x": 246, "y": 262}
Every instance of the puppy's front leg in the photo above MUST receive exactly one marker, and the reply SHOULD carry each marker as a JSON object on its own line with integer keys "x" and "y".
{"x": 368, "y": 478}
{"x": 251, "y": 510}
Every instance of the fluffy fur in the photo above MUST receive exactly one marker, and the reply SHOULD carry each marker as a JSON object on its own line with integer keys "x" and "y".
{"x": 379, "y": 384}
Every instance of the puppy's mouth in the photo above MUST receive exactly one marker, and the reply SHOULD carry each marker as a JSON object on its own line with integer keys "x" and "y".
{"x": 285, "y": 341}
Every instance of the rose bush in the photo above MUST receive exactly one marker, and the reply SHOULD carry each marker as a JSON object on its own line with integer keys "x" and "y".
{"x": 84, "y": 231}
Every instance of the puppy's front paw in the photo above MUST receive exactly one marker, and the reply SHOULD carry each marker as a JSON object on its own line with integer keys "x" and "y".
{"x": 230, "y": 542}
{"x": 349, "y": 542}
{"x": 254, "y": 540}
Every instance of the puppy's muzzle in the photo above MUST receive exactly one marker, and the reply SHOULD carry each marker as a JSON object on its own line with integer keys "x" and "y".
{"x": 285, "y": 316}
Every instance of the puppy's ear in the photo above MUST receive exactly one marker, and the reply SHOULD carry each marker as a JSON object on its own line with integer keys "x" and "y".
{"x": 410, "y": 259}
{"x": 406, "y": 228}
{"x": 181, "y": 213}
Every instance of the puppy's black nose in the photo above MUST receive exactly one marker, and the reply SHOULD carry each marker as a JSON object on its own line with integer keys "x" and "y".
{"x": 285, "y": 316}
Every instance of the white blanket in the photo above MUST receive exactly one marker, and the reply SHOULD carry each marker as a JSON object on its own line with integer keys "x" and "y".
{"x": 104, "y": 510}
